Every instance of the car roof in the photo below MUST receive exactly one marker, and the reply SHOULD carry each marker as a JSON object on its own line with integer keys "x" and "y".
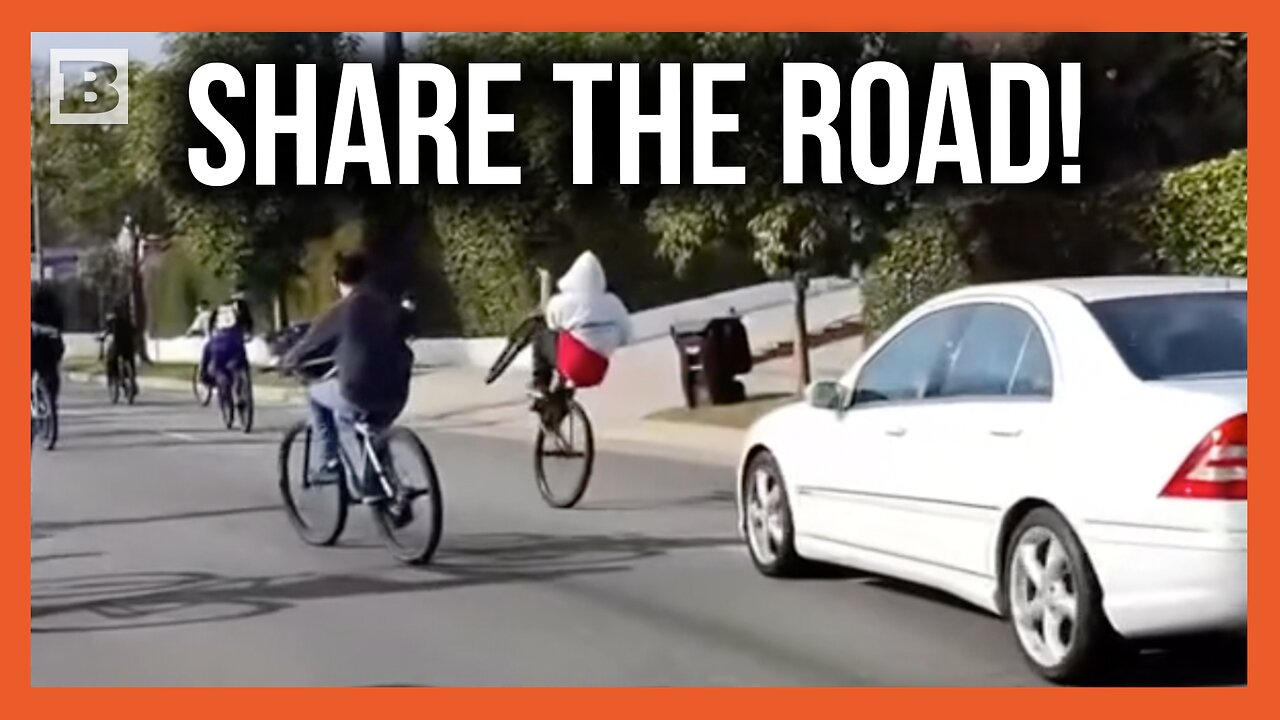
{"x": 1093, "y": 289}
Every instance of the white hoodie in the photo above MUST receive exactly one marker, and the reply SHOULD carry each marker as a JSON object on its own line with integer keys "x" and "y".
{"x": 585, "y": 309}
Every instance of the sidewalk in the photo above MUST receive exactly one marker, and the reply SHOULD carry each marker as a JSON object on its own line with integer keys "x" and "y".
{"x": 643, "y": 379}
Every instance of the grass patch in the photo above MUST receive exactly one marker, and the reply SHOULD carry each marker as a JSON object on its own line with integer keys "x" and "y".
{"x": 739, "y": 416}
{"x": 171, "y": 371}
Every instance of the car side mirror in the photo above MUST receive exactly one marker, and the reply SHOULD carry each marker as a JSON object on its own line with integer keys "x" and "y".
{"x": 824, "y": 395}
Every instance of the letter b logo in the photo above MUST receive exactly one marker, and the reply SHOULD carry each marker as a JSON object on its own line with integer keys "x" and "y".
{"x": 96, "y": 95}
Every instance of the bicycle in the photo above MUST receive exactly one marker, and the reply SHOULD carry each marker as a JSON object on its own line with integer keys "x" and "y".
{"x": 44, "y": 413}
{"x": 122, "y": 378}
{"x": 559, "y": 413}
{"x": 394, "y": 511}
{"x": 235, "y": 398}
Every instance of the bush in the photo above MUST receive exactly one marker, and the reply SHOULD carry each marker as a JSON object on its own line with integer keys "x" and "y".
{"x": 494, "y": 284}
{"x": 922, "y": 259}
{"x": 1192, "y": 220}
{"x": 1199, "y": 220}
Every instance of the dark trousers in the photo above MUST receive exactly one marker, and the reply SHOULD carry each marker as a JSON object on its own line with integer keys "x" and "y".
{"x": 46, "y": 356}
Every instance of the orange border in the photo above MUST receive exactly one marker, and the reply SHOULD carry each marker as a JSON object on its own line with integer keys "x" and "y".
{"x": 729, "y": 15}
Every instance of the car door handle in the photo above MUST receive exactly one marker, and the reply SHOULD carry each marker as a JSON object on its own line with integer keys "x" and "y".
{"x": 895, "y": 431}
{"x": 1006, "y": 432}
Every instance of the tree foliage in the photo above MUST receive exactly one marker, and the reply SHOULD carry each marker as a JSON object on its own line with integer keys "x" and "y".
{"x": 86, "y": 177}
{"x": 254, "y": 235}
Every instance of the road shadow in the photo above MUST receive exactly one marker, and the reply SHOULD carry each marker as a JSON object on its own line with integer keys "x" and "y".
{"x": 1198, "y": 661}
{"x": 63, "y": 556}
{"x": 124, "y": 601}
{"x": 44, "y": 529}
{"x": 725, "y": 498}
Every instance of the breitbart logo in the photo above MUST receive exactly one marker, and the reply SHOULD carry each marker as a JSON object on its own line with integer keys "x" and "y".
{"x": 88, "y": 87}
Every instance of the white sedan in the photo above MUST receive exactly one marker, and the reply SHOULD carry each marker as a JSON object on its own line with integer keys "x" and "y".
{"x": 1069, "y": 454}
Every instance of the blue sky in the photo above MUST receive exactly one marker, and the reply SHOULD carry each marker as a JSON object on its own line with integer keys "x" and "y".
{"x": 144, "y": 46}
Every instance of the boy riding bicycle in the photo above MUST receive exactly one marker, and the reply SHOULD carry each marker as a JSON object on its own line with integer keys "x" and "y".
{"x": 584, "y": 325}
{"x": 230, "y": 328}
{"x": 47, "y": 346}
{"x": 117, "y": 341}
{"x": 364, "y": 334}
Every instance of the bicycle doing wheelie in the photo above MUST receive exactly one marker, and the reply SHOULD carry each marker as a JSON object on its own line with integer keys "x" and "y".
{"x": 564, "y": 448}
{"x": 409, "y": 515}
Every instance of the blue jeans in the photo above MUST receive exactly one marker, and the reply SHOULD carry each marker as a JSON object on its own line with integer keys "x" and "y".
{"x": 327, "y": 408}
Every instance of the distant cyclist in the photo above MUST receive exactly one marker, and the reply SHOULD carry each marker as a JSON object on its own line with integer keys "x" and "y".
{"x": 202, "y": 324}
{"x": 48, "y": 321}
{"x": 226, "y": 351}
{"x": 230, "y": 327}
{"x": 118, "y": 340}
{"x": 364, "y": 333}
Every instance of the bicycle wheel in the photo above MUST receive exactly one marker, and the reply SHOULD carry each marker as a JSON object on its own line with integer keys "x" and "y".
{"x": 317, "y": 511}
{"x": 45, "y": 424}
{"x": 411, "y": 522}
{"x": 244, "y": 400}
{"x": 563, "y": 468}
{"x": 203, "y": 393}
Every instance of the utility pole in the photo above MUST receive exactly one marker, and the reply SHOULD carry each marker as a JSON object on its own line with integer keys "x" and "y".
{"x": 36, "y": 239}
{"x": 389, "y": 209}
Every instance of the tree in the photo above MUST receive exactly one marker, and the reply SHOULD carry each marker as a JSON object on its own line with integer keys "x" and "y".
{"x": 253, "y": 235}
{"x": 89, "y": 184}
{"x": 792, "y": 232}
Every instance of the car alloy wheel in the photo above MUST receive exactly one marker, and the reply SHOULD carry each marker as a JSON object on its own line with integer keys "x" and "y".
{"x": 766, "y": 521}
{"x": 1043, "y": 597}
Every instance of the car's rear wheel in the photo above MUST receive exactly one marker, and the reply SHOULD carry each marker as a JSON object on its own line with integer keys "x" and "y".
{"x": 768, "y": 520}
{"x": 1055, "y": 602}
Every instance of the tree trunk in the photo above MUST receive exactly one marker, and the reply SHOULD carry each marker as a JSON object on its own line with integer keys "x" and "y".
{"x": 281, "y": 310}
{"x": 801, "y": 284}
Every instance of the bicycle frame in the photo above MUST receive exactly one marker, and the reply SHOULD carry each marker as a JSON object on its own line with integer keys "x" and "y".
{"x": 355, "y": 481}
{"x": 368, "y": 460}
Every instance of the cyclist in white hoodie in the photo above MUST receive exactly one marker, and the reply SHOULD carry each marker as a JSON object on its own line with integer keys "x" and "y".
{"x": 585, "y": 324}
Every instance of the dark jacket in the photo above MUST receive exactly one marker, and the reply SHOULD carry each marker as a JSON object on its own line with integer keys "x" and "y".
{"x": 119, "y": 334}
{"x": 364, "y": 333}
{"x": 46, "y": 309}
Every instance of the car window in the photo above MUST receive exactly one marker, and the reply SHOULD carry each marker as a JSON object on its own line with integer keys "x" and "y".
{"x": 991, "y": 352}
{"x": 1187, "y": 335}
{"x": 1033, "y": 375}
{"x": 906, "y": 368}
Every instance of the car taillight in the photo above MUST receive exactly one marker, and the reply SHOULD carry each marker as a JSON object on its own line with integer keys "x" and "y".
{"x": 1218, "y": 468}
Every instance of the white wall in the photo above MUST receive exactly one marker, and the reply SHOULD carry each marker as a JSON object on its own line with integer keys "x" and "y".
{"x": 649, "y": 325}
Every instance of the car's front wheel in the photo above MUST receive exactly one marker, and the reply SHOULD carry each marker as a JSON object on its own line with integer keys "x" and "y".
{"x": 767, "y": 518}
{"x": 1054, "y": 600}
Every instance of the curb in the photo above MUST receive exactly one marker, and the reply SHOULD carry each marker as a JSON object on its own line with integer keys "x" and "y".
{"x": 261, "y": 393}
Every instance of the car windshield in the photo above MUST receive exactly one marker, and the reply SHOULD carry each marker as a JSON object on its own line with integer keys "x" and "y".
{"x": 1163, "y": 337}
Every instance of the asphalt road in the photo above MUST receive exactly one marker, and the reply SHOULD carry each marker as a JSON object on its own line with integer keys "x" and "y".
{"x": 160, "y": 557}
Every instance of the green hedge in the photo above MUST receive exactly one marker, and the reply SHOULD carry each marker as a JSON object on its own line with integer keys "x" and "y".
{"x": 922, "y": 258}
{"x": 493, "y": 282}
{"x": 1199, "y": 221}
{"x": 1192, "y": 220}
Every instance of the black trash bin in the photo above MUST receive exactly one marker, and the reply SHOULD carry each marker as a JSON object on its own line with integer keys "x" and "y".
{"x": 712, "y": 353}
